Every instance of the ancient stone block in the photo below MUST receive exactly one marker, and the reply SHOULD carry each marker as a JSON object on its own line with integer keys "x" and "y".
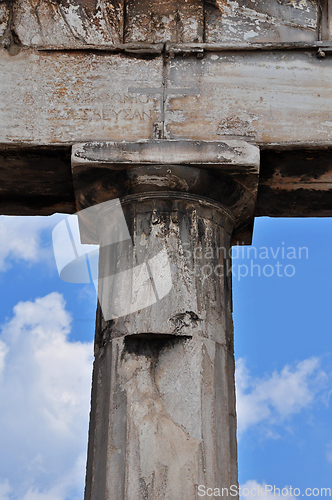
{"x": 68, "y": 23}
{"x": 269, "y": 98}
{"x": 67, "y": 97}
{"x": 174, "y": 21}
{"x": 261, "y": 21}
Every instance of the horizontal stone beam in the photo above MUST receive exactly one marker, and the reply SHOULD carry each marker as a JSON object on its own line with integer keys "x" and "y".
{"x": 276, "y": 99}
{"x": 36, "y": 181}
{"x": 295, "y": 183}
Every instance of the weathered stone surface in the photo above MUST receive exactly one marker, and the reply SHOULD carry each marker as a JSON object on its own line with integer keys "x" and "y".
{"x": 73, "y": 24}
{"x": 163, "y": 406}
{"x": 261, "y": 20}
{"x": 68, "y": 23}
{"x": 163, "y": 411}
{"x": 271, "y": 98}
{"x": 67, "y": 97}
{"x": 174, "y": 21}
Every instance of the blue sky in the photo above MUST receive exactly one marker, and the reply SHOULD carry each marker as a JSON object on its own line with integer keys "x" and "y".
{"x": 283, "y": 346}
{"x": 286, "y": 322}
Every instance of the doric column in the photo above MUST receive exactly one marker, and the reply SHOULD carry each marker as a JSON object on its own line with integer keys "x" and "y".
{"x": 163, "y": 416}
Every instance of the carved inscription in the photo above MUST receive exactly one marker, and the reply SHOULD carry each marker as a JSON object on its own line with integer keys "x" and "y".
{"x": 121, "y": 107}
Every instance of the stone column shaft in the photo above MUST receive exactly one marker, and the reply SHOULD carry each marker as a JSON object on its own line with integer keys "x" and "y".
{"x": 163, "y": 417}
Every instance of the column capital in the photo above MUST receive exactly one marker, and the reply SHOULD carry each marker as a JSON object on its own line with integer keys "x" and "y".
{"x": 223, "y": 171}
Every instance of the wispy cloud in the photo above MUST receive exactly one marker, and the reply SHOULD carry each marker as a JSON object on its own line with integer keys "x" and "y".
{"x": 44, "y": 403}
{"x": 276, "y": 397}
{"x": 22, "y": 239}
{"x": 5, "y": 490}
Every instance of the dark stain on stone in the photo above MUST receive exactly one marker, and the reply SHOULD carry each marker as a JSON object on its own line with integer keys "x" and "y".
{"x": 185, "y": 320}
{"x": 150, "y": 344}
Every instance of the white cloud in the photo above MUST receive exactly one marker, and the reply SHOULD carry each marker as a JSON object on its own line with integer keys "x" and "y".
{"x": 276, "y": 397}
{"x": 262, "y": 491}
{"x": 5, "y": 490}
{"x": 44, "y": 403}
{"x": 21, "y": 239}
